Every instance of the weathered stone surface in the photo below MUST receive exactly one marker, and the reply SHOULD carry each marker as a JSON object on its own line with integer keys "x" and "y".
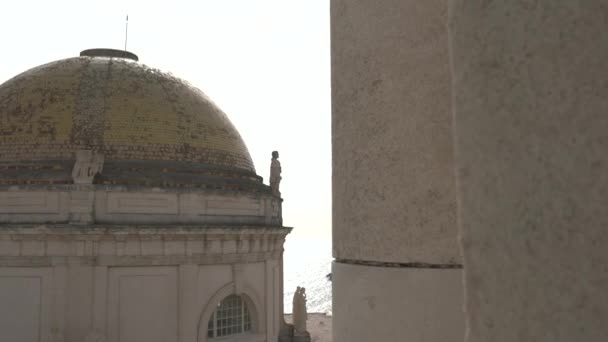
{"x": 394, "y": 201}
{"x": 393, "y": 183}
{"x": 396, "y": 304}
{"x": 531, "y": 104}
{"x": 25, "y": 303}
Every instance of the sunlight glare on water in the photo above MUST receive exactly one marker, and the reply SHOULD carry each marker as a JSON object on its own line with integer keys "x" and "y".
{"x": 307, "y": 261}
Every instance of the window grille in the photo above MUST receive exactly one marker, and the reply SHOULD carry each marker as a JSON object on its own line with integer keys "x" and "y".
{"x": 231, "y": 317}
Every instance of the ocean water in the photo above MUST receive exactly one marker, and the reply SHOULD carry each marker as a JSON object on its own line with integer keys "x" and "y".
{"x": 307, "y": 262}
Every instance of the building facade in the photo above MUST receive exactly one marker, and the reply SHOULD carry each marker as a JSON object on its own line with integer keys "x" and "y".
{"x": 130, "y": 210}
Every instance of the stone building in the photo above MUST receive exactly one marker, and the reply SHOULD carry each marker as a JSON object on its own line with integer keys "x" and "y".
{"x": 470, "y": 141}
{"x": 130, "y": 210}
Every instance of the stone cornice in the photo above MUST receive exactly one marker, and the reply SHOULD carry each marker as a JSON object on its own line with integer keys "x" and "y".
{"x": 134, "y": 245}
{"x": 130, "y": 261}
{"x": 177, "y": 230}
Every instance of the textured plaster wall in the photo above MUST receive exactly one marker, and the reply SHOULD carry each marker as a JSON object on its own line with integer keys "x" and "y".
{"x": 393, "y": 184}
{"x": 531, "y": 105}
{"x": 397, "y": 304}
{"x": 394, "y": 201}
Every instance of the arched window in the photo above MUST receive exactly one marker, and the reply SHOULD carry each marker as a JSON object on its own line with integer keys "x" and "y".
{"x": 231, "y": 317}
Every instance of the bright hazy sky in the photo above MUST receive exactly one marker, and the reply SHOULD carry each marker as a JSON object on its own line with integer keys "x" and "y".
{"x": 265, "y": 63}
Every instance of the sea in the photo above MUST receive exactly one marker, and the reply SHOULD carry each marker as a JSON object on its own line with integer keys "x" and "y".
{"x": 307, "y": 263}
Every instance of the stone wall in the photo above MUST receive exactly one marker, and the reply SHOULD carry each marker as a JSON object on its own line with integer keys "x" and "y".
{"x": 531, "y": 110}
{"x": 397, "y": 274}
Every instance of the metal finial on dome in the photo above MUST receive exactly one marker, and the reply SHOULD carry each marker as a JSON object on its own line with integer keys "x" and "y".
{"x": 126, "y": 32}
{"x": 112, "y": 53}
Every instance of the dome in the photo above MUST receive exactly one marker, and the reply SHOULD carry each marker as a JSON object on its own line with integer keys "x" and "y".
{"x": 151, "y": 127}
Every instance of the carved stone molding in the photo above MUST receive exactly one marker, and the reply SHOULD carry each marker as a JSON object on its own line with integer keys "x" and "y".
{"x": 44, "y": 245}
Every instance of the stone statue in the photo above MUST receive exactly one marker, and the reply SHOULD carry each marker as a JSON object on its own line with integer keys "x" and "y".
{"x": 275, "y": 173}
{"x": 88, "y": 164}
{"x": 299, "y": 311}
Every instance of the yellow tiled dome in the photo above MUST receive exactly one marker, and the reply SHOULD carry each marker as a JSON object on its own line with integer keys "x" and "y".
{"x": 117, "y": 106}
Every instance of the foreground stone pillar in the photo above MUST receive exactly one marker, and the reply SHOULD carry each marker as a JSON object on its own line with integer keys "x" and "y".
{"x": 531, "y": 108}
{"x": 397, "y": 274}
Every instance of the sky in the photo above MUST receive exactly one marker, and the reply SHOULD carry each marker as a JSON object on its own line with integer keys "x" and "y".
{"x": 266, "y": 63}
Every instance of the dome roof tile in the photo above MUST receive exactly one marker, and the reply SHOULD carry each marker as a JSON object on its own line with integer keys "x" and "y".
{"x": 122, "y": 108}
